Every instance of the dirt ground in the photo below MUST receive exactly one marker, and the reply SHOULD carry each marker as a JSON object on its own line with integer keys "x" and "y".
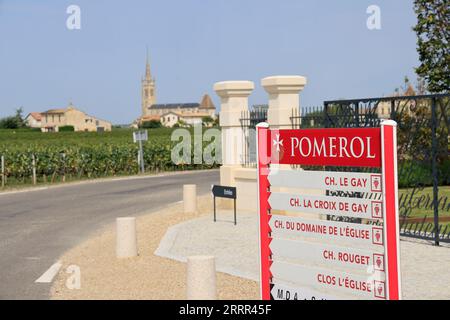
{"x": 147, "y": 276}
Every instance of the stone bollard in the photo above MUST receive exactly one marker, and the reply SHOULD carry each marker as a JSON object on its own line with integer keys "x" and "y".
{"x": 190, "y": 198}
{"x": 126, "y": 239}
{"x": 201, "y": 278}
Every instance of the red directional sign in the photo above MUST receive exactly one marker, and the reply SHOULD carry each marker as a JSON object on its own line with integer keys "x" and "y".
{"x": 340, "y": 206}
{"x": 331, "y": 147}
{"x": 326, "y": 180}
{"x": 327, "y": 256}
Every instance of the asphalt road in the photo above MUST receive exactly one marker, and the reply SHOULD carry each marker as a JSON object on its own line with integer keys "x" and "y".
{"x": 37, "y": 227}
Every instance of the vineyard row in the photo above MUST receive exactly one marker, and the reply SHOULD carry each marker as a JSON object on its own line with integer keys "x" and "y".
{"x": 50, "y": 165}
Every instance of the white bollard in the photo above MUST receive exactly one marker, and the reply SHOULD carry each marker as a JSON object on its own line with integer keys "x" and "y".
{"x": 201, "y": 278}
{"x": 190, "y": 198}
{"x": 126, "y": 239}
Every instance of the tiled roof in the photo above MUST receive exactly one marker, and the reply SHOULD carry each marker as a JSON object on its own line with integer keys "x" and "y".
{"x": 150, "y": 117}
{"x": 171, "y": 112}
{"x": 54, "y": 111}
{"x": 207, "y": 103}
{"x": 36, "y": 115}
{"x": 174, "y": 106}
{"x": 194, "y": 115}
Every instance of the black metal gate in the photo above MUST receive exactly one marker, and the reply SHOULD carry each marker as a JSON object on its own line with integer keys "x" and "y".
{"x": 423, "y": 153}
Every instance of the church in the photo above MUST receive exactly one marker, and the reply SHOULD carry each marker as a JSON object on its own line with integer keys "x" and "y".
{"x": 171, "y": 113}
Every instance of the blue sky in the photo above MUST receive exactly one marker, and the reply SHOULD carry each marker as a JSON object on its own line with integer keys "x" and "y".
{"x": 192, "y": 45}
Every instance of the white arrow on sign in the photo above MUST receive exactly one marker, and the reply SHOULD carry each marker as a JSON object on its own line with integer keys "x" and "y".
{"x": 326, "y": 180}
{"x": 283, "y": 292}
{"x": 370, "y": 286}
{"x": 362, "y": 234}
{"x": 358, "y": 259}
{"x": 339, "y": 206}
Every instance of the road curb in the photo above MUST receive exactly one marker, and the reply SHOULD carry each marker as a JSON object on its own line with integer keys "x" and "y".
{"x": 168, "y": 240}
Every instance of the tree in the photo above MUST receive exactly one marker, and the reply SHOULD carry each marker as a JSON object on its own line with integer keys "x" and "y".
{"x": 433, "y": 37}
{"x": 207, "y": 121}
{"x": 180, "y": 124}
{"x": 216, "y": 122}
{"x": 66, "y": 129}
{"x": 152, "y": 124}
{"x": 19, "y": 118}
{"x": 8, "y": 123}
{"x": 13, "y": 122}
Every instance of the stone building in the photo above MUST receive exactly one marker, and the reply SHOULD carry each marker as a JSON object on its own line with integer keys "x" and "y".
{"x": 34, "y": 120}
{"x": 384, "y": 108}
{"x": 171, "y": 113}
{"x": 53, "y": 119}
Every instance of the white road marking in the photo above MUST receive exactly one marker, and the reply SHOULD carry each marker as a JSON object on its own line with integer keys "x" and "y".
{"x": 48, "y": 275}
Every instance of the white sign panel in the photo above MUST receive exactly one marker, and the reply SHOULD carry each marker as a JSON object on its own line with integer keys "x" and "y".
{"x": 329, "y": 255}
{"x": 339, "y": 206}
{"x": 370, "y": 286}
{"x": 362, "y": 234}
{"x": 326, "y": 180}
{"x": 140, "y": 136}
{"x": 283, "y": 292}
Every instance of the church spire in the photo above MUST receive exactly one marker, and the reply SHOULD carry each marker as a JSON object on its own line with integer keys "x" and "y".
{"x": 148, "y": 88}
{"x": 148, "y": 74}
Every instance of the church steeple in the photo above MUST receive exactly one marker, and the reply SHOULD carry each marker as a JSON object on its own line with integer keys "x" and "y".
{"x": 148, "y": 88}
{"x": 148, "y": 75}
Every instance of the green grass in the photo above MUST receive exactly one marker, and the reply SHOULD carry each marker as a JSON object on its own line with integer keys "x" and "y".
{"x": 26, "y": 137}
{"x": 424, "y": 197}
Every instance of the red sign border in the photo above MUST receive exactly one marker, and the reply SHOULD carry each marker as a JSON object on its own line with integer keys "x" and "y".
{"x": 390, "y": 208}
{"x": 285, "y": 134}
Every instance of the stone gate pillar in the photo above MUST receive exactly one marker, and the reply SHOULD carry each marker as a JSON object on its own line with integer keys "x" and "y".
{"x": 234, "y": 101}
{"x": 283, "y": 98}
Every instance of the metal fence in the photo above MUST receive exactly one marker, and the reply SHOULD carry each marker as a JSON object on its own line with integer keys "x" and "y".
{"x": 249, "y": 120}
{"x": 423, "y": 151}
{"x": 423, "y": 155}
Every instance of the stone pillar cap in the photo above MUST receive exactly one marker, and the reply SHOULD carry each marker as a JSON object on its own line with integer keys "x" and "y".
{"x": 275, "y": 84}
{"x": 234, "y": 88}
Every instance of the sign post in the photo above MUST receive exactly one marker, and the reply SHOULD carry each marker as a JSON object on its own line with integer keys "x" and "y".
{"x": 224, "y": 192}
{"x": 139, "y": 136}
{"x": 3, "y": 170}
{"x": 303, "y": 256}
